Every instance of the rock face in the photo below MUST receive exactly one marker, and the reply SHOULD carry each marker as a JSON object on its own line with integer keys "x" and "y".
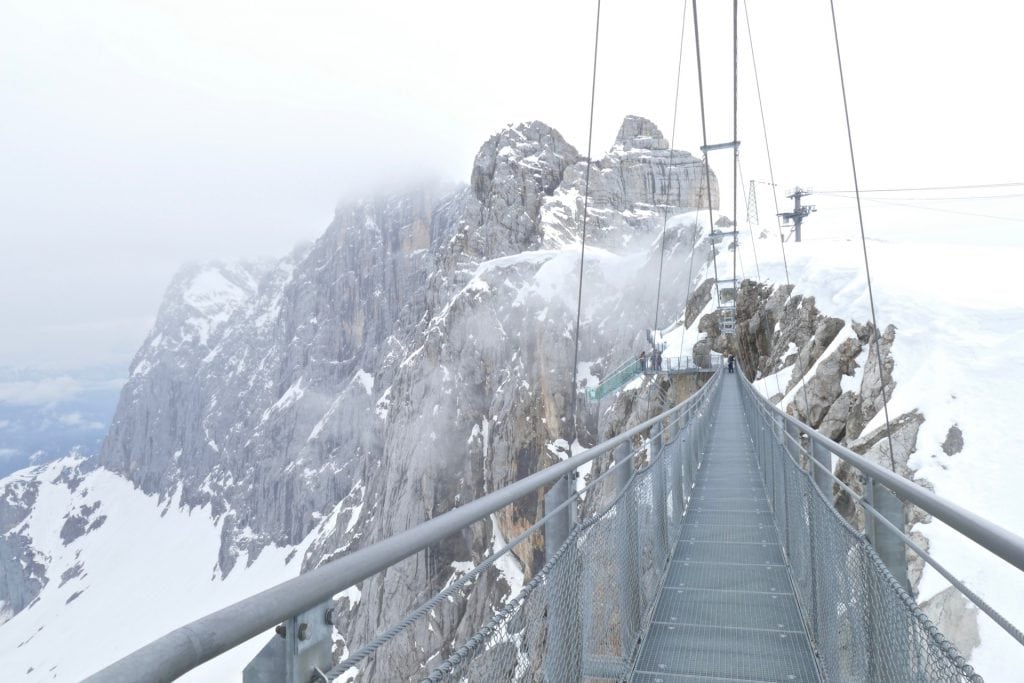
{"x": 631, "y": 189}
{"x": 416, "y": 356}
{"x": 22, "y": 568}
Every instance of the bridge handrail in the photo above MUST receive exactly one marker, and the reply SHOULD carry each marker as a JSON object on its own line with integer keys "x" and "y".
{"x": 1001, "y": 542}
{"x": 189, "y": 646}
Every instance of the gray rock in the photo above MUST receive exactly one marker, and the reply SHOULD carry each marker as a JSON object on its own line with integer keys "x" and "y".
{"x": 954, "y": 441}
{"x": 637, "y": 132}
{"x": 22, "y": 568}
{"x": 634, "y": 190}
{"x": 956, "y": 619}
{"x": 698, "y": 300}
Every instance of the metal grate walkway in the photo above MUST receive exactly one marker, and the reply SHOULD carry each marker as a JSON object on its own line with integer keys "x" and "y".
{"x": 727, "y": 611}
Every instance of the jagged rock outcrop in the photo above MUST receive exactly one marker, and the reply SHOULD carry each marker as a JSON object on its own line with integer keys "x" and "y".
{"x": 513, "y": 173}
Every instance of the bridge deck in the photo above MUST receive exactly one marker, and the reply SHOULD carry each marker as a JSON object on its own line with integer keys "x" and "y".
{"x": 727, "y": 611}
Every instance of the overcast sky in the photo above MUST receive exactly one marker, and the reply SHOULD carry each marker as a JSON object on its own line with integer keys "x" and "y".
{"x": 138, "y": 135}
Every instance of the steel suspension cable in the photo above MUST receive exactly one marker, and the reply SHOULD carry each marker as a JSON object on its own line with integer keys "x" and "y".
{"x": 583, "y": 242}
{"x": 775, "y": 197}
{"x": 704, "y": 131}
{"x": 863, "y": 240}
{"x": 764, "y": 129}
{"x": 735, "y": 139}
{"x": 671, "y": 152}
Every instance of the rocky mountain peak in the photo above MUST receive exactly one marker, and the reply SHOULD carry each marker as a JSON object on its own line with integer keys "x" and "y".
{"x": 514, "y": 171}
{"x": 636, "y": 132}
{"x": 532, "y": 147}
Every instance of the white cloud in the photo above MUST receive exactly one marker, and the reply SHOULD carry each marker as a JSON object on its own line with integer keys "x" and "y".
{"x": 76, "y": 420}
{"x": 38, "y": 393}
{"x": 8, "y": 453}
{"x": 4, "y": 424}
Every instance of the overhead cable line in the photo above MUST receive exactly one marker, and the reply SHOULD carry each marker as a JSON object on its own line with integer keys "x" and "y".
{"x": 961, "y": 198}
{"x": 671, "y": 152}
{"x": 583, "y": 243}
{"x": 926, "y": 189}
{"x": 864, "y": 243}
{"x": 891, "y": 202}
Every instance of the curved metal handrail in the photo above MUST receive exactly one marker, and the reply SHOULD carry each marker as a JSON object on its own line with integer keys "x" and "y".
{"x": 189, "y": 646}
{"x": 1001, "y": 542}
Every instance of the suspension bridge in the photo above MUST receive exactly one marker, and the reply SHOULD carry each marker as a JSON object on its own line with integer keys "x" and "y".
{"x": 704, "y": 546}
{"x": 707, "y": 548}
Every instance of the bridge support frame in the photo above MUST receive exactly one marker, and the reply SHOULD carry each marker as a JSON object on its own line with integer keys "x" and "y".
{"x": 302, "y": 648}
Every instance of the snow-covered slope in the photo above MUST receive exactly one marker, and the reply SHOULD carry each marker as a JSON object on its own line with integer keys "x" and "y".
{"x": 124, "y": 568}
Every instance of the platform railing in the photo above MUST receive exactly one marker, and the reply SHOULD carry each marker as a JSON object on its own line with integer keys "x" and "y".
{"x": 852, "y": 584}
{"x": 581, "y": 612}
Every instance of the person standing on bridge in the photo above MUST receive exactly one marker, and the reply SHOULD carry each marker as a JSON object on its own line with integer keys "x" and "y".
{"x": 732, "y": 361}
{"x": 643, "y": 361}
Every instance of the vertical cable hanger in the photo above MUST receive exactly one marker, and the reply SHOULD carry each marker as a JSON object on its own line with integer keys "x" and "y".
{"x": 583, "y": 245}
{"x": 671, "y": 152}
{"x": 863, "y": 241}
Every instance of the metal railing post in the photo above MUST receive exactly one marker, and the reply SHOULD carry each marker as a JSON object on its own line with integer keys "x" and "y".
{"x": 888, "y": 545}
{"x": 814, "y": 607}
{"x": 563, "y": 659}
{"x": 629, "y": 553}
{"x": 778, "y": 453}
{"x": 659, "y": 491}
{"x": 691, "y": 450}
{"x": 792, "y": 441}
{"x": 869, "y": 498}
{"x": 678, "y": 499}
{"x": 823, "y": 457}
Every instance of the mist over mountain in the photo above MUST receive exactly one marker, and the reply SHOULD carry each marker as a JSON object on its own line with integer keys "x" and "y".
{"x": 291, "y": 403}
{"x": 416, "y": 356}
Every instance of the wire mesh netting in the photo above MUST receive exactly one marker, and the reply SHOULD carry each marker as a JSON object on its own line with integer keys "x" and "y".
{"x": 864, "y": 625}
{"x": 583, "y": 615}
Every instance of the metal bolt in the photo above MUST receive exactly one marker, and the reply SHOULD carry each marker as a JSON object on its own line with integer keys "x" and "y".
{"x": 303, "y": 632}
{"x": 329, "y": 616}
{"x": 280, "y": 630}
